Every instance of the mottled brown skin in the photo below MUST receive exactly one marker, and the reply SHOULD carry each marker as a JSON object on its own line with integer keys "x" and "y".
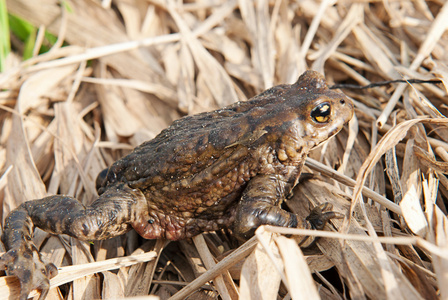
{"x": 232, "y": 167}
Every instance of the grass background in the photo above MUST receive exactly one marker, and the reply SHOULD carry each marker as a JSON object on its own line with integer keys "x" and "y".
{"x": 83, "y": 82}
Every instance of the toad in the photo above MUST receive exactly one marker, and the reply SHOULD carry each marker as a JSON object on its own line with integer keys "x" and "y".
{"x": 229, "y": 168}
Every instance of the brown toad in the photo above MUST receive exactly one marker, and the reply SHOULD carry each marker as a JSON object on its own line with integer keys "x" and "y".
{"x": 231, "y": 167}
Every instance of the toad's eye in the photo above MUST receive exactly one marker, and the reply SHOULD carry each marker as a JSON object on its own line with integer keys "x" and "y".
{"x": 321, "y": 113}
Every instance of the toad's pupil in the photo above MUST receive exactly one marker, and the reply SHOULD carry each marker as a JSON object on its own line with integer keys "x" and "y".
{"x": 321, "y": 113}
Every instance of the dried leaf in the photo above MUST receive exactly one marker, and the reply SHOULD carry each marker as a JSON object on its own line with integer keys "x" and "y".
{"x": 260, "y": 278}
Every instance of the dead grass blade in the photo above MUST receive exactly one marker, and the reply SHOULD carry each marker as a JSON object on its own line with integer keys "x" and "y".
{"x": 224, "y": 264}
{"x": 438, "y": 27}
{"x": 389, "y": 140}
{"x": 440, "y": 229}
{"x": 300, "y": 282}
{"x": 210, "y": 70}
{"x": 209, "y": 262}
{"x": 352, "y": 183}
{"x": 261, "y": 272}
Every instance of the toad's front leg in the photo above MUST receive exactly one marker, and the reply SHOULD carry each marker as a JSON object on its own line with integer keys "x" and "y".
{"x": 110, "y": 215}
{"x": 260, "y": 205}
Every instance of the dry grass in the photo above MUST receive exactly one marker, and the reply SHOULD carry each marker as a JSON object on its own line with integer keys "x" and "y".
{"x": 130, "y": 70}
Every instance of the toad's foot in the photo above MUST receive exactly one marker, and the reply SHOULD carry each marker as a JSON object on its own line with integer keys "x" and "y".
{"x": 27, "y": 265}
{"x": 318, "y": 218}
{"x": 320, "y": 215}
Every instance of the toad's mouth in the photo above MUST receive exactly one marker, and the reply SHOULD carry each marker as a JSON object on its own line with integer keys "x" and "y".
{"x": 327, "y": 137}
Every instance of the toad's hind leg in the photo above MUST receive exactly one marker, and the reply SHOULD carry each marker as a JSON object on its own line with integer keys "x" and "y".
{"x": 105, "y": 218}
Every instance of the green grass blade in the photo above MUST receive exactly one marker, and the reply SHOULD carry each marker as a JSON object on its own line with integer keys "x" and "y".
{"x": 5, "y": 46}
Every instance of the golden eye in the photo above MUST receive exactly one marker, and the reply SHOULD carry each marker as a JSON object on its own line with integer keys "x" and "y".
{"x": 321, "y": 113}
